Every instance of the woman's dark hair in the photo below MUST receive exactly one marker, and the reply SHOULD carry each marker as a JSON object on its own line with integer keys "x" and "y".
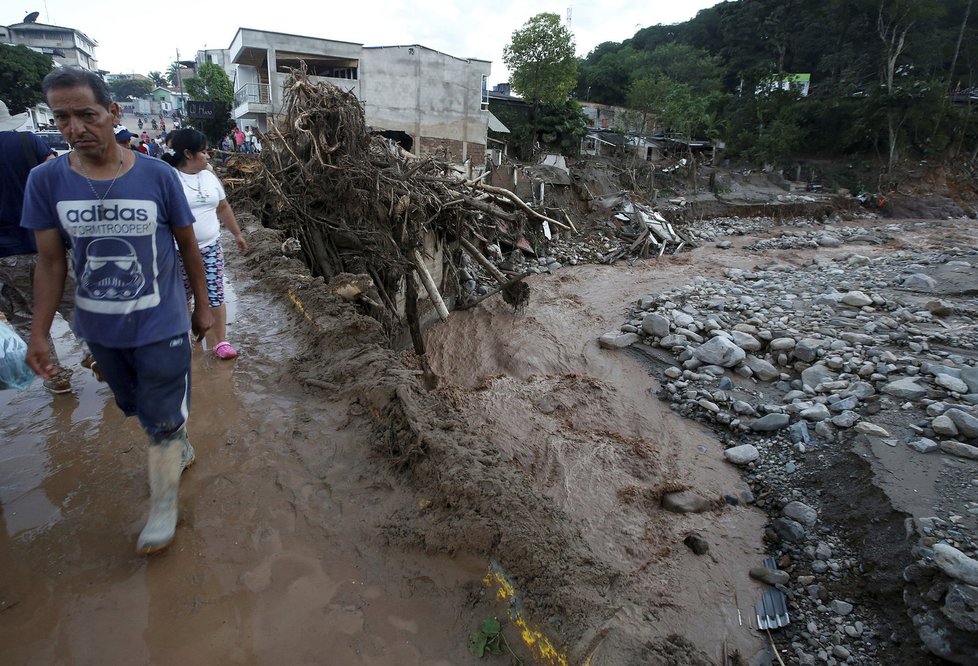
{"x": 181, "y": 140}
{"x": 74, "y": 77}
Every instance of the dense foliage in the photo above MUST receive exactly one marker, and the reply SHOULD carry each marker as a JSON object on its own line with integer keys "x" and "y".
{"x": 213, "y": 85}
{"x": 123, "y": 89}
{"x": 21, "y": 72}
{"x": 884, "y": 74}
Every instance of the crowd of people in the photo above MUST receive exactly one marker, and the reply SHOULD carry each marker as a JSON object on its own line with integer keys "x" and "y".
{"x": 127, "y": 248}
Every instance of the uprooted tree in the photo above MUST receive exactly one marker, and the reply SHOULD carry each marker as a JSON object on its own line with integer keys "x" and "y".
{"x": 364, "y": 211}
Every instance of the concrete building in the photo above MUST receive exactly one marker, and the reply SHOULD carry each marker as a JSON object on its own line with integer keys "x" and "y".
{"x": 438, "y": 100}
{"x": 66, "y": 46}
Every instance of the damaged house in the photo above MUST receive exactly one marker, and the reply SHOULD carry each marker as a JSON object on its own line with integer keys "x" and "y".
{"x": 430, "y": 102}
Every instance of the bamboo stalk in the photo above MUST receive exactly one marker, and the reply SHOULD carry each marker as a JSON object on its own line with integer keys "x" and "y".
{"x": 429, "y": 284}
{"x": 482, "y": 261}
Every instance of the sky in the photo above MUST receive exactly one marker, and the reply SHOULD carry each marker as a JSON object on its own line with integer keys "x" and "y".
{"x": 139, "y": 38}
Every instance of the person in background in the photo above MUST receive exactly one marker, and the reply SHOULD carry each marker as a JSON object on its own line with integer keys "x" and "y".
{"x": 127, "y": 219}
{"x": 19, "y": 153}
{"x": 238, "y": 139}
{"x": 211, "y": 210}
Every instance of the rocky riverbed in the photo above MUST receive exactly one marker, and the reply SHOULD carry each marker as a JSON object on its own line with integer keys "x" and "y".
{"x": 843, "y": 377}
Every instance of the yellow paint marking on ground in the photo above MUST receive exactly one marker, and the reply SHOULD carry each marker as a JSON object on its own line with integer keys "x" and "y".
{"x": 299, "y": 306}
{"x": 539, "y": 645}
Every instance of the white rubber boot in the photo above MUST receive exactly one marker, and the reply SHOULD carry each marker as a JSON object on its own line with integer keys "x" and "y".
{"x": 164, "y": 485}
{"x": 187, "y": 456}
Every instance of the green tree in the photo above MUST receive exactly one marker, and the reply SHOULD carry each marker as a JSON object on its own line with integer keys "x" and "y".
{"x": 542, "y": 64}
{"x": 157, "y": 77}
{"x": 213, "y": 85}
{"x": 126, "y": 88}
{"x": 21, "y": 72}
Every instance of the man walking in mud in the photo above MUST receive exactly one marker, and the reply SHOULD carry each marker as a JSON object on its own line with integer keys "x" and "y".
{"x": 119, "y": 214}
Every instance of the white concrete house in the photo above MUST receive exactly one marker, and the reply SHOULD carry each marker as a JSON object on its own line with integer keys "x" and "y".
{"x": 66, "y": 46}
{"x": 438, "y": 100}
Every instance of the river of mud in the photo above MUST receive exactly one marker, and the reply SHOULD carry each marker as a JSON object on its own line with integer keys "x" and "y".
{"x": 277, "y": 557}
{"x": 340, "y": 512}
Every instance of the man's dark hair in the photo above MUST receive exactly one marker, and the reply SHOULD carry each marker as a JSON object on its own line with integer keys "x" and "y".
{"x": 74, "y": 77}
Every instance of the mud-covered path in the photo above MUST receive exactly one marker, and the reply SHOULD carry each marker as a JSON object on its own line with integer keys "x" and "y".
{"x": 276, "y": 560}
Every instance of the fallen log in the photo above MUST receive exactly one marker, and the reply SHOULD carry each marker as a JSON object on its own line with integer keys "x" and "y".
{"x": 522, "y": 204}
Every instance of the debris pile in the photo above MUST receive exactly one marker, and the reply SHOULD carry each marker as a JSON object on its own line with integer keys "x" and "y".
{"x": 360, "y": 205}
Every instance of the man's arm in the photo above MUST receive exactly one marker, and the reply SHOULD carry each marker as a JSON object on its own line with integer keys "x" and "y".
{"x": 201, "y": 320}
{"x": 49, "y": 284}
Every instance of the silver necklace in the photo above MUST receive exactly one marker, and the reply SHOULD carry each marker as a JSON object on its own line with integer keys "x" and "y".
{"x": 201, "y": 197}
{"x": 109, "y": 188}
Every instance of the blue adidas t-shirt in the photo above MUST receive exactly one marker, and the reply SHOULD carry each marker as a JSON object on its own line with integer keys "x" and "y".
{"x": 129, "y": 291}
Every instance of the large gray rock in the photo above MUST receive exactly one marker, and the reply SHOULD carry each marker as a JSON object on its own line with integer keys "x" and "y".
{"x": 961, "y": 606}
{"x": 817, "y": 412}
{"x": 856, "y": 299}
{"x": 761, "y": 368}
{"x": 956, "y": 564}
{"x": 770, "y": 576}
{"x": 685, "y": 501}
{"x": 788, "y": 530}
{"x": 966, "y": 424}
{"x": 924, "y": 445}
{"x": 970, "y": 377}
{"x": 960, "y": 449}
{"x": 919, "y": 282}
{"x": 905, "y": 388}
{"x": 743, "y": 454}
{"x": 943, "y": 425}
{"x": 867, "y": 428}
{"x": 951, "y": 383}
{"x": 801, "y": 512}
{"x": 655, "y": 324}
{"x": 816, "y": 374}
{"x": 616, "y": 340}
{"x": 719, "y": 351}
{"x": 782, "y": 344}
{"x": 746, "y": 341}
{"x": 806, "y": 349}
{"x": 770, "y": 423}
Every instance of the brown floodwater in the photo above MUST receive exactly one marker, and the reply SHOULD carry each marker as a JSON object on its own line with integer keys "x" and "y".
{"x": 277, "y": 557}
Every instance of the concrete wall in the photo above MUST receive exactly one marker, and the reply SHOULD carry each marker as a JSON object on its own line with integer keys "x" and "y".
{"x": 434, "y": 97}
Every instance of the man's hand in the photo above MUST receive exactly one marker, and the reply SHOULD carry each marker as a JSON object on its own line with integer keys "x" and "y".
{"x": 201, "y": 320}
{"x": 39, "y": 357}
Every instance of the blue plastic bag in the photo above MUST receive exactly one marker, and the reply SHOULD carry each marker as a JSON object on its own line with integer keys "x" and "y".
{"x": 14, "y": 372}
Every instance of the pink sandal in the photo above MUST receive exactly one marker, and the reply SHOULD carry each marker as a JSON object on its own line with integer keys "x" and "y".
{"x": 225, "y": 351}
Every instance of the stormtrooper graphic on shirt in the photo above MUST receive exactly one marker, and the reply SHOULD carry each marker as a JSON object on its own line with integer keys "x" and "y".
{"x": 112, "y": 270}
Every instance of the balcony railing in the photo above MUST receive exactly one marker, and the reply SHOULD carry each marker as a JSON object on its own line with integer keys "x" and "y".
{"x": 253, "y": 93}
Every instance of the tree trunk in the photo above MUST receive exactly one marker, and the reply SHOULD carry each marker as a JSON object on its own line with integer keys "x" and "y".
{"x": 957, "y": 48}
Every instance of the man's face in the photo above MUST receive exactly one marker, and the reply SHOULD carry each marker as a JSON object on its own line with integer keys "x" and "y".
{"x": 84, "y": 123}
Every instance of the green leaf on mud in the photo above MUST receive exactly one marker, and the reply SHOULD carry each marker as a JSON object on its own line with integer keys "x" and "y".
{"x": 477, "y": 643}
{"x": 486, "y": 638}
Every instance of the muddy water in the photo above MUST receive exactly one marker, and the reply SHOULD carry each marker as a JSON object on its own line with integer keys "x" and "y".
{"x": 585, "y": 427}
{"x": 276, "y": 558}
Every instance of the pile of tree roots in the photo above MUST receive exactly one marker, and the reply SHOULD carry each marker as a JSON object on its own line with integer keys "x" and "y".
{"x": 364, "y": 211}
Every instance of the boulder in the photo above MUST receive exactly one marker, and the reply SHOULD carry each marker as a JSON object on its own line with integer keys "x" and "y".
{"x": 966, "y": 424}
{"x": 905, "y": 388}
{"x": 617, "y": 340}
{"x": 801, "y": 512}
{"x": 746, "y": 341}
{"x": 961, "y": 606}
{"x": 956, "y": 564}
{"x": 919, "y": 282}
{"x": 960, "y": 449}
{"x": 950, "y": 383}
{"x": 743, "y": 454}
{"x": 685, "y": 501}
{"x": 761, "y": 368}
{"x": 655, "y": 324}
{"x": 720, "y": 351}
{"x": 770, "y": 423}
{"x": 782, "y": 344}
{"x": 857, "y": 299}
{"x": 867, "y": 428}
{"x": 943, "y": 425}
{"x": 817, "y": 412}
{"x": 770, "y": 576}
{"x": 806, "y": 349}
{"x": 816, "y": 374}
{"x": 969, "y": 376}
{"x": 788, "y": 530}
{"x": 924, "y": 445}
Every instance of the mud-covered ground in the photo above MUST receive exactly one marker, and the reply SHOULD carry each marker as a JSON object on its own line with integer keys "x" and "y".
{"x": 338, "y": 507}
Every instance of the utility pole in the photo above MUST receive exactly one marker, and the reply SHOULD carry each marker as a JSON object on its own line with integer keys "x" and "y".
{"x": 179, "y": 81}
